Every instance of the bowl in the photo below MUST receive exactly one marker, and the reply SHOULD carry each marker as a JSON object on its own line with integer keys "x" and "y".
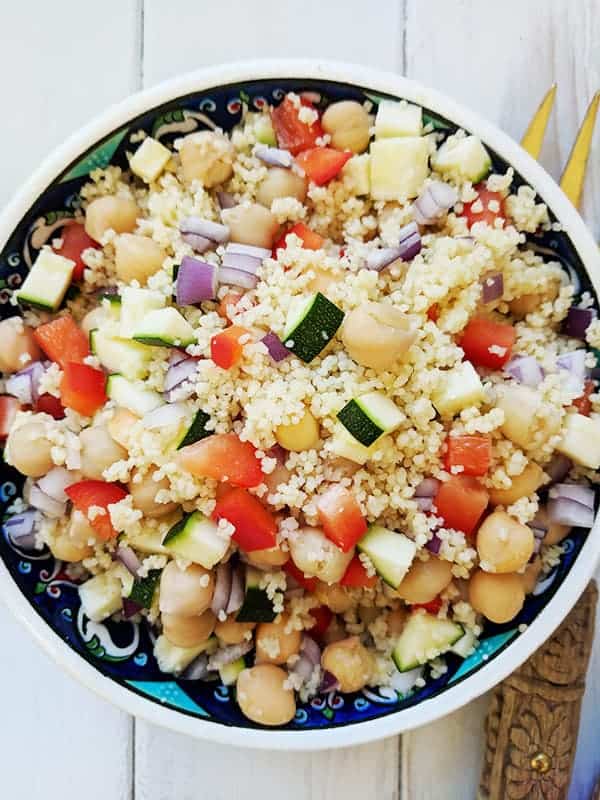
{"x": 115, "y": 659}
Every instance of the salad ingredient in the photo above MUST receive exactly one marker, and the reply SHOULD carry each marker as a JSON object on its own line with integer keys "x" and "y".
{"x": 274, "y": 643}
{"x": 468, "y": 454}
{"x": 488, "y": 343}
{"x": 322, "y": 164}
{"x": 47, "y": 281}
{"x": 312, "y": 323}
{"x": 278, "y": 183}
{"x": 398, "y": 167}
{"x": 461, "y": 501}
{"x": 99, "y": 451}
{"x": 422, "y": 636}
{"x": 301, "y": 435}
{"x": 425, "y": 580}
{"x": 207, "y": 157}
{"x": 74, "y": 240}
{"x": 149, "y": 160}
{"x": 398, "y": 118}
{"x": 137, "y": 257}
{"x": 63, "y": 341}
{"x": 523, "y": 485}
{"x": 263, "y": 695}
{"x": 316, "y": 556}
{"x": 377, "y": 335}
{"x": 503, "y": 544}
{"x": 251, "y": 223}
{"x": 341, "y": 517}
{"x": 83, "y": 388}
{"x": 350, "y": 662}
{"x": 186, "y": 631}
{"x": 370, "y": 416}
{"x": 255, "y": 527}
{"x": 222, "y": 456}
{"x": 293, "y": 134}
{"x": 348, "y": 124}
{"x": 499, "y": 597}
{"x": 391, "y": 553}
{"x": 19, "y": 345}
{"x": 185, "y": 592}
{"x": 113, "y": 212}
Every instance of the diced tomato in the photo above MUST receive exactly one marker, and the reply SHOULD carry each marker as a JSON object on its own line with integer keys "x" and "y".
{"x": 322, "y": 164}
{"x": 223, "y": 457}
{"x": 86, "y": 494}
{"x": 230, "y": 299}
{"x": 472, "y": 453}
{"x": 74, "y": 241}
{"x": 433, "y": 312}
{"x": 225, "y": 347}
{"x": 255, "y": 526}
{"x": 293, "y": 134}
{"x": 63, "y": 341}
{"x": 8, "y": 410}
{"x": 461, "y": 502}
{"x": 488, "y": 343}
{"x": 310, "y": 584}
{"x": 487, "y": 214}
{"x": 322, "y": 617}
{"x": 341, "y": 517}
{"x": 356, "y": 575}
{"x": 83, "y": 388}
{"x": 432, "y": 607}
{"x": 583, "y": 404}
{"x": 48, "y": 404}
{"x": 310, "y": 239}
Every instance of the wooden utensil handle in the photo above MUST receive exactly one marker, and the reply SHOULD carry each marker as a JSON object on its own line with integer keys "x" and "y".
{"x": 533, "y": 721}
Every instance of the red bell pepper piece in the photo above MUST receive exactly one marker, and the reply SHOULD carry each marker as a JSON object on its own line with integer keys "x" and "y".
{"x": 356, "y": 575}
{"x": 74, "y": 241}
{"x": 292, "y": 133}
{"x": 488, "y": 343}
{"x": 461, "y": 501}
{"x": 86, "y": 494}
{"x": 472, "y": 453}
{"x": 322, "y": 164}
{"x": 309, "y": 584}
{"x": 63, "y": 341}
{"x": 83, "y": 388}
{"x": 310, "y": 239}
{"x": 223, "y": 457}
{"x": 225, "y": 347}
{"x": 8, "y": 410}
{"x": 341, "y": 517}
{"x": 432, "y": 607}
{"x": 486, "y": 214}
{"x": 255, "y": 526}
{"x": 48, "y": 404}
{"x": 322, "y": 617}
{"x": 583, "y": 404}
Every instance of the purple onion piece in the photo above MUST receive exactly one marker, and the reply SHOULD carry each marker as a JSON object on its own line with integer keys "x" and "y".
{"x": 36, "y": 370}
{"x": 574, "y": 364}
{"x": 275, "y": 346}
{"x": 197, "y": 243}
{"x": 409, "y": 241}
{"x": 578, "y": 321}
{"x": 564, "y": 511}
{"x": 236, "y": 596}
{"x": 311, "y": 649}
{"x": 229, "y": 654}
{"x": 304, "y": 668}
{"x": 48, "y": 505}
{"x": 538, "y": 533}
{"x": 197, "y": 670}
{"x": 164, "y": 416}
{"x": 380, "y": 259}
{"x": 180, "y": 372}
{"x": 492, "y": 287}
{"x": 427, "y": 488}
{"x": 248, "y": 250}
{"x": 226, "y": 200}
{"x": 130, "y": 608}
{"x": 237, "y": 277}
{"x": 558, "y": 467}
{"x": 574, "y": 491}
{"x": 54, "y": 483}
{"x": 525, "y": 370}
{"x": 213, "y": 231}
{"x": 274, "y": 156}
{"x": 434, "y": 544}
{"x": 20, "y": 528}
{"x": 20, "y": 386}
{"x": 239, "y": 261}
{"x": 222, "y": 588}
{"x": 424, "y": 503}
{"x": 196, "y": 281}
{"x": 329, "y": 683}
{"x": 128, "y": 558}
{"x": 177, "y": 356}
{"x": 434, "y": 201}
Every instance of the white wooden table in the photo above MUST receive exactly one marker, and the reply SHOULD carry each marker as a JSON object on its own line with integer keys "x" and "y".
{"x": 64, "y": 61}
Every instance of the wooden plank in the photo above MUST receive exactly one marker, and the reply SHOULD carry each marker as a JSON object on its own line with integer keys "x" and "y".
{"x": 226, "y": 31}
{"x": 61, "y": 66}
{"x": 552, "y": 41}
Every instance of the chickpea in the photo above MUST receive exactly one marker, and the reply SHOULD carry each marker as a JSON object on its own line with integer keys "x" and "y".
{"x": 348, "y": 124}
{"x": 280, "y": 182}
{"x": 80, "y": 530}
{"x": 520, "y": 405}
{"x": 144, "y": 494}
{"x": 425, "y": 580}
{"x": 528, "y": 482}
{"x": 497, "y": 597}
{"x": 334, "y": 596}
{"x": 207, "y": 157}
{"x": 267, "y": 559}
{"x": 231, "y": 632}
{"x": 376, "y": 334}
{"x": 503, "y": 543}
{"x": 120, "y": 425}
{"x": 19, "y": 347}
{"x": 29, "y": 450}
{"x": 314, "y": 554}
{"x": 185, "y": 591}
{"x": 298, "y": 436}
{"x": 273, "y": 644}
{"x": 350, "y": 662}
{"x": 251, "y": 223}
{"x": 188, "y": 631}
{"x": 64, "y": 548}
{"x": 273, "y": 480}
{"x": 555, "y": 533}
{"x": 111, "y": 212}
{"x": 396, "y": 620}
{"x": 531, "y": 575}
{"x": 98, "y": 451}
{"x": 94, "y": 319}
{"x": 262, "y": 696}
{"x": 521, "y": 306}
{"x": 323, "y": 281}
{"x": 137, "y": 257}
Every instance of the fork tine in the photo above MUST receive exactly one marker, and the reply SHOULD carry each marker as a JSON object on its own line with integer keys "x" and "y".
{"x": 573, "y": 176}
{"x": 534, "y": 135}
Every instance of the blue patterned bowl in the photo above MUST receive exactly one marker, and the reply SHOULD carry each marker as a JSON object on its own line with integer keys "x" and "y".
{"x": 116, "y": 659}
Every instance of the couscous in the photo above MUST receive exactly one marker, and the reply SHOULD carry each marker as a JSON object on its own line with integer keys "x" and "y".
{"x": 318, "y": 410}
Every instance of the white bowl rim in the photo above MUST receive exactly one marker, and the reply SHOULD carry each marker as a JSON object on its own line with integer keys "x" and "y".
{"x": 581, "y": 571}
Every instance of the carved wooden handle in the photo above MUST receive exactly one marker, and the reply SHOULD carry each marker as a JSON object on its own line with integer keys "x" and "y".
{"x": 533, "y": 720}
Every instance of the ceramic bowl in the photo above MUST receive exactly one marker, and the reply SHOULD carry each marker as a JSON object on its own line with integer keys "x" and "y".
{"x": 116, "y": 660}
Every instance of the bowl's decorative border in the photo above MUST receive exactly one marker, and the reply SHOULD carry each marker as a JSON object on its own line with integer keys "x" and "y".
{"x": 121, "y": 654}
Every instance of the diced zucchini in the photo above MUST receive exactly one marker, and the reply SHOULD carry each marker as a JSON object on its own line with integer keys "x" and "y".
{"x": 581, "y": 440}
{"x": 370, "y": 416}
{"x": 149, "y": 160}
{"x": 398, "y": 118}
{"x": 197, "y": 430}
{"x": 465, "y": 645}
{"x": 358, "y": 172}
{"x": 229, "y": 673}
{"x": 312, "y": 323}
{"x": 390, "y": 552}
{"x": 101, "y": 596}
{"x": 135, "y": 305}
{"x": 344, "y": 445}
{"x": 462, "y": 157}
{"x": 520, "y": 405}
{"x": 173, "y": 659}
{"x": 198, "y": 539}
{"x": 143, "y": 589}
{"x": 47, "y": 282}
{"x": 166, "y": 327}
{"x": 459, "y": 388}
{"x": 398, "y": 167}
{"x": 257, "y": 606}
{"x": 149, "y": 541}
{"x": 131, "y": 359}
{"x": 131, "y": 396}
{"x": 424, "y": 637}
{"x": 263, "y": 130}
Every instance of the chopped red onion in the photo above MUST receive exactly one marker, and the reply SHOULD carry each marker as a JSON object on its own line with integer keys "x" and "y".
{"x": 237, "y": 277}
{"x": 434, "y": 544}
{"x": 558, "y": 467}
{"x": 236, "y": 596}
{"x": 20, "y": 528}
{"x": 164, "y": 416}
{"x": 52, "y": 508}
{"x": 128, "y": 558}
{"x": 434, "y": 201}
{"x": 222, "y": 588}
{"x": 36, "y": 370}
{"x": 228, "y": 654}
{"x": 311, "y": 650}
{"x": 177, "y": 356}
{"x": 214, "y": 231}
{"x": 196, "y": 242}
{"x": 130, "y": 608}
{"x": 248, "y": 250}
{"x": 226, "y": 200}
{"x": 275, "y": 346}
{"x": 197, "y": 670}
{"x": 409, "y": 241}
{"x": 196, "y": 281}
{"x": 574, "y": 364}
{"x": 329, "y": 683}
{"x": 180, "y": 372}
{"x": 492, "y": 287}
{"x": 303, "y": 668}
{"x": 382, "y": 257}
{"x": 20, "y": 386}
{"x": 427, "y": 488}
{"x": 273, "y": 156}
{"x": 54, "y": 483}
{"x": 238, "y": 261}
{"x": 424, "y": 503}
{"x": 564, "y": 511}
{"x": 525, "y": 370}
{"x": 578, "y": 321}
{"x": 574, "y": 491}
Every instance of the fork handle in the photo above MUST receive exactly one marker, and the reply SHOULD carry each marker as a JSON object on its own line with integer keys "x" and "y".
{"x": 533, "y": 721}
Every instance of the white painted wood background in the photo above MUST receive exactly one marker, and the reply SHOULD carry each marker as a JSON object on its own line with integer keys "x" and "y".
{"x": 62, "y": 62}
